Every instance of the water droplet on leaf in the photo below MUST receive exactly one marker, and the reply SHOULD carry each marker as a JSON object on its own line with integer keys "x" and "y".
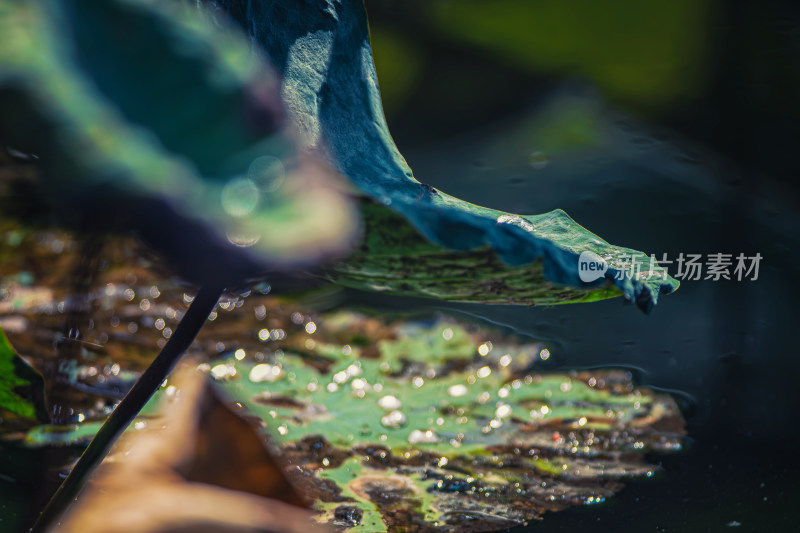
{"x": 423, "y": 437}
{"x": 394, "y": 420}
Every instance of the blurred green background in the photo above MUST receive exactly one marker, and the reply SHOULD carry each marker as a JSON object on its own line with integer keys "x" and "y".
{"x": 698, "y": 67}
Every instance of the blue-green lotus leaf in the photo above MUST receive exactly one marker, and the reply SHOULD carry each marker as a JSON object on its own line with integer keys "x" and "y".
{"x": 421, "y": 241}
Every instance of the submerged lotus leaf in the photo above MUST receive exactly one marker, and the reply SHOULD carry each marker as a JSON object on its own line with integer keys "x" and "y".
{"x": 444, "y": 402}
{"x": 171, "y": 126}
{"x": 428, "y": 423}
{"x": 461, "y": 436}
{"x": 420, "y": 241}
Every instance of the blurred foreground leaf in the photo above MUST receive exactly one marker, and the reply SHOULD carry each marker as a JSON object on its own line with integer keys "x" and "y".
{"x": 420, "y": 241}
{"x": 148, "y": 115}
{"x": 21, "y": 387}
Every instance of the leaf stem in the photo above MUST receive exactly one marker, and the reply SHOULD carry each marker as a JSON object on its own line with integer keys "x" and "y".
{"x": 129, "y": 407}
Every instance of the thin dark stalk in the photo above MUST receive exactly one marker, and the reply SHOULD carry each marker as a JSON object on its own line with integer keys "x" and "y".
{"x": 129, "y": 407}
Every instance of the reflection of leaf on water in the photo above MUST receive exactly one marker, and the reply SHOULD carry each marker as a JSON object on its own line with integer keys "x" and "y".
{"x": 200, "y": 467}
{"x": 442, "y": 430}
{"x": 420, "y": 241}
{"x": 21, "y": 387}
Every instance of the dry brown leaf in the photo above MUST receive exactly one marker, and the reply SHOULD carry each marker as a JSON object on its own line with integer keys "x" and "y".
{"x": 199, "y": 467}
